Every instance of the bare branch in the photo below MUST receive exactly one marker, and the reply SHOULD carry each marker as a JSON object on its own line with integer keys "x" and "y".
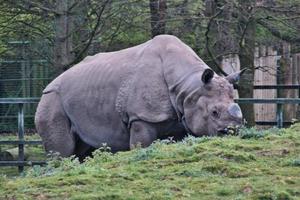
{"x": 207, "y": 41}
{"x": 93, "y": 33}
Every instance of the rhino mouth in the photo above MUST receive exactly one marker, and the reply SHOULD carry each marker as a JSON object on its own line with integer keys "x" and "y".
{"x": 230, "y": 130}
{"x": 223, "y": 131}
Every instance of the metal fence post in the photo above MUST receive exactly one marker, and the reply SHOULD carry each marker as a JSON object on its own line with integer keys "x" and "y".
{"x": 279, "y": 115}
{"x": 21, "y": 135}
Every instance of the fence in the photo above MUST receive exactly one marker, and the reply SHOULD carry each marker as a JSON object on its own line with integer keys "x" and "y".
{"x": 275, "y": 65}
{"x": 20, "y": 142}
{"x": 23, "y": 74}
{"x": 279, "y": 104}
{"x": 21, "y": 101}
{"x": 278, "y": 101}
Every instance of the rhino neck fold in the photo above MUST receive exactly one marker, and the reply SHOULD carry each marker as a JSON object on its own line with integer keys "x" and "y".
{"x": 182, "y": 69}
{"x": 183, "y": 87}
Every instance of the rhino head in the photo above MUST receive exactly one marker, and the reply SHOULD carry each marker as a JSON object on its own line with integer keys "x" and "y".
{"x": 211, "y": 109}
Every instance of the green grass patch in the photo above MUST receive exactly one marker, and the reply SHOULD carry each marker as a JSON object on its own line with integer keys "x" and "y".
{"x": 32, "y": 152}
{"x": 253, "y": 165}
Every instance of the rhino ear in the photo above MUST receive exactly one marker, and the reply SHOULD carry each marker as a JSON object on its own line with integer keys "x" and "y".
{"x": 207, "y": 75}
{"x": 235, "y": 77}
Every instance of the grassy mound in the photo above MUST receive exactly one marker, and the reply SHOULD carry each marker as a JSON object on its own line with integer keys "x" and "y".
{"x": 254, "y": 165}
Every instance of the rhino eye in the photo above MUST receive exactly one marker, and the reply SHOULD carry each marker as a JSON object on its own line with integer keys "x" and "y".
{"x": 215, "y": 114}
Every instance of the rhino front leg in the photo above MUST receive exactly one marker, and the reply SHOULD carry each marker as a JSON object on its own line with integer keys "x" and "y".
{"x": 142, "y": 134}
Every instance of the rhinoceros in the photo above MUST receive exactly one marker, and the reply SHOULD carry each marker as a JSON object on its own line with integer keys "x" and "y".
{"x": 134, "y": 96}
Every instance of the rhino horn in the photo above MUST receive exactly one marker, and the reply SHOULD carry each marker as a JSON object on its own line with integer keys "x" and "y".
{"x": 235, "y": 77}
{"x": 207, "y": 75}
{"x": 235, "y": 111}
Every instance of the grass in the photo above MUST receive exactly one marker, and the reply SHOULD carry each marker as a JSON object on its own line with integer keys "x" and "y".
{"x": 34, "y": 152}
{"x": 254, "y": 165}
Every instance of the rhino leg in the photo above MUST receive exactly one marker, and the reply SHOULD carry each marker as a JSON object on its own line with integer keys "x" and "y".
{"x": 82, "y": 149}
{"x": 142, "y": 133}
{"x": 53, "y": 125}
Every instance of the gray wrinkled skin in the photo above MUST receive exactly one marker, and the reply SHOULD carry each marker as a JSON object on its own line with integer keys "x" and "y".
{"x": 135, "y": 96}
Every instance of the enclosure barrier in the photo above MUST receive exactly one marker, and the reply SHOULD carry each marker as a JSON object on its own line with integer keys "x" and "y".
{"x": 20, "y": 142}
{"x": 279, "y": 106}
{"x": 21, "y": 101}
{"x": 278, "y": 101}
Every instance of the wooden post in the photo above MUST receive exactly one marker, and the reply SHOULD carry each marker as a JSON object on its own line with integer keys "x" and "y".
{"x": 21, "y": 135}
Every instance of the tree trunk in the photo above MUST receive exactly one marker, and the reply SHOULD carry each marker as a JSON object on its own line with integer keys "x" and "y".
{"x": 285, "y": 77}
{"x": 246, "y": 56}
{"x": 210, "y": 11}
{"x": 158, "y": 9}
{"x": 221, "y": 41}
{"x": 63, "y": 44}
{"x": 81, "y": 29}
{"x": 246, "y": 87}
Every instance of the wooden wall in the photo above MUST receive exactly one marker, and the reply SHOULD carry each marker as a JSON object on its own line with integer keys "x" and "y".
{"x": 266, "y": 61}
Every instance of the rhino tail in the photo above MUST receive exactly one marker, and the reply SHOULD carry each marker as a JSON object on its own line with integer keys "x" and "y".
{"x": 54, "y": 86}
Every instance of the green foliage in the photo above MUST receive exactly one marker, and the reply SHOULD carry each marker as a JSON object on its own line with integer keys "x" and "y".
{"x": 264, "y": 36}
{"x": 100, "y": 155}
{"x": 294, "y": 162}
{"x": 246, "y": 133}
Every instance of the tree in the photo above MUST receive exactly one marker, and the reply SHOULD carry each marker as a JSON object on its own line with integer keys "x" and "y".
{"x": 246, "y": 56}
{"x": 219, "y": 40}
{"x": 63, "y": 40}
{"x": 63, "y": 32}
{"x": 61, "y": 23}
{"x": 232, "y": 28}
{"x": 158, "y": 9}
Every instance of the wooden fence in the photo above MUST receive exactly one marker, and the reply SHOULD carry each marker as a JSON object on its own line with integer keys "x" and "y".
{"x": 274, "y": 65}
{"x": 21, "y": 162}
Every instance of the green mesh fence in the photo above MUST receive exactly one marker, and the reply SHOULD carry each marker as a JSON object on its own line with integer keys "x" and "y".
{"x": 22, "y": 74}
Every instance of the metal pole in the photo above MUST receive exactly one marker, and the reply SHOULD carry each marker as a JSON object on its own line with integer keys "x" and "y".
{"x": 279, "y": 115}
{"x": 298, "y": 109}
{"x": 21, "y": 135}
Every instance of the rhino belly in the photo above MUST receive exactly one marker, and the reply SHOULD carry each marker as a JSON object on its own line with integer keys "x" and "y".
{"x": 96, "y": 124}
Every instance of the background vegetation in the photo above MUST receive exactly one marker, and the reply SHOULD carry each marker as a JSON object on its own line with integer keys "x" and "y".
{"x": 62, "y": 32}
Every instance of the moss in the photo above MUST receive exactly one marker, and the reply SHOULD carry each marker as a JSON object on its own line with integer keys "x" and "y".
{"x": 270, "y": 195}
{"x": 237, "y": 156}
{"x": 294, "y": 162}
{"x": 224, "y": 191}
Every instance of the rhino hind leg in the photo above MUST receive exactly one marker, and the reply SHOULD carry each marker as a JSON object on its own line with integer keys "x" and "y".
{"x": 82, "y": 149}
{"x": 53, "y": 125}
